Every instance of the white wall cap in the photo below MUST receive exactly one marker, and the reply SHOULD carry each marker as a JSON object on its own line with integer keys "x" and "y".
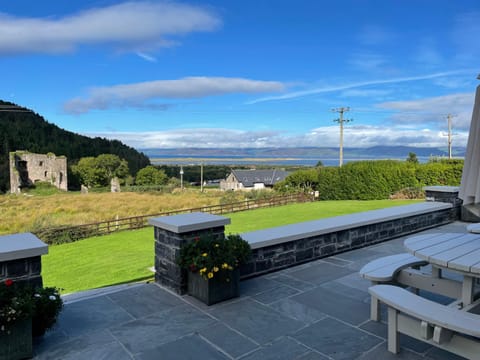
{"x": 281, "y": 234}
{"x": 20, "y": 246}
{"x": 449, "y": 189}
{"x": 183, "y": 223}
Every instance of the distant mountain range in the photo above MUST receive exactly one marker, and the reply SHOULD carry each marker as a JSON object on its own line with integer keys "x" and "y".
{"x": 375, "y": 152}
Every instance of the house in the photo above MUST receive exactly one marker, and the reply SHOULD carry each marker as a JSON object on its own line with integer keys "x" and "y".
{"x": 252, "y": 179}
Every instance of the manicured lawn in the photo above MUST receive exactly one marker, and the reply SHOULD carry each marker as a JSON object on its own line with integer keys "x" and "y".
{"x": 127, "y": 256}
{"x": 99, "y": 261}
{"x": 289, "y": 214}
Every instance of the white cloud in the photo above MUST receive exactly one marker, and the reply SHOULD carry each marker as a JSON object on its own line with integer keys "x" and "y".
{"x": 368, "y": 61}
{"x": 434, "y": 110}
{"x": 327, "y": 89}
{"x": 133, "y": 26}
{"x": 328, "y": 136}
{"x": 138, "y": 94}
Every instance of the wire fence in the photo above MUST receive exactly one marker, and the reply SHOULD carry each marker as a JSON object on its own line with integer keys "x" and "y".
{"x": 59, "y": 235}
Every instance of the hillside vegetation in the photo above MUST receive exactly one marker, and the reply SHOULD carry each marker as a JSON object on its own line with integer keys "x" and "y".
{"x": 31, "y": 132}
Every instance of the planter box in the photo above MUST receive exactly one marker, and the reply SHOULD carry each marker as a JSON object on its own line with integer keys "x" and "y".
{"x": 221, "y": 287}
{"x": 18, "y": 344}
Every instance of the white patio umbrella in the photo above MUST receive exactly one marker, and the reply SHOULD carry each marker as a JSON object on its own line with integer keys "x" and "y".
{"x": 470, "y": 185}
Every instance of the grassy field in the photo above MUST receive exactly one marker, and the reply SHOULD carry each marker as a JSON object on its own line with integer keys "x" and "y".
{"x": 22, "y": 213}
{"x": 127, "y": 256}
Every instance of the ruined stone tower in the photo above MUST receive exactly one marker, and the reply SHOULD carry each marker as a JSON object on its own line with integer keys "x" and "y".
{"x": 27, "y": 168}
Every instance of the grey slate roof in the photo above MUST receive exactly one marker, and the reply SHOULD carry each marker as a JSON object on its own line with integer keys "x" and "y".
{"x": 267, "y": 177}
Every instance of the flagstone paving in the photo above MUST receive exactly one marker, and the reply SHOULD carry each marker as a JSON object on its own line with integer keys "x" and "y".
{"x": 319, "y": 310}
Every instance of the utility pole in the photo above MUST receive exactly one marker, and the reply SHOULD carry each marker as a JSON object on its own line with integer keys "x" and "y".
{"x": 201, "y": 177}
{"x": 341, "y": 120}
{"x": 449, "y": 134}
{"x": 181, "y": 177}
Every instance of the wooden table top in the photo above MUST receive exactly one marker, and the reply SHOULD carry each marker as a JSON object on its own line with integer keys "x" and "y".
{"x": 455, "y": 251}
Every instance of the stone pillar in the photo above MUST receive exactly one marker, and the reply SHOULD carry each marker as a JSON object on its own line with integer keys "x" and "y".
{"x": 171, "y": 233}
{"x": 20, "y": 258}
{"x": 446, "y": 194}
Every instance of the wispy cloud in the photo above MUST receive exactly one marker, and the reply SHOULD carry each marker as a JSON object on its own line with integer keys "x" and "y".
{"x": 132, "y": 26}
{"x": 139, "y": 94}
{"x": 297, "y": 94}
{"x": 375, "y": 35}
{"x": 147, "y": 57}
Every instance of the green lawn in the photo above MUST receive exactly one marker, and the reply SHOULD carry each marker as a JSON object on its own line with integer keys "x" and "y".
{"x": 127, "y": 256}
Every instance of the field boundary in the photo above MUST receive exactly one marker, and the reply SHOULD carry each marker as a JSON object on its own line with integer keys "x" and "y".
{"x": 65, "y": 234}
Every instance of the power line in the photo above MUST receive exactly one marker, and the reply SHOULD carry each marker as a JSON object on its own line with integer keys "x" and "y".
{"x": 449, "y": 134}
{"x": 340, "y": 121}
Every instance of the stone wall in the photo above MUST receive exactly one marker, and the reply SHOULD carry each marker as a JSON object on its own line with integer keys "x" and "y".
{"x": 26, "y": 168}
{"x": 284, "y": 246}
{"x": 284, "y": 254}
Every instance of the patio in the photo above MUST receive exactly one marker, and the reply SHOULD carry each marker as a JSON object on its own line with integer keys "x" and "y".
{"x": 319, "y": 310}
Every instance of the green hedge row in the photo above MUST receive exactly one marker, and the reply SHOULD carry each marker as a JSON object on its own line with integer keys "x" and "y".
{"x": 373, "y": 180}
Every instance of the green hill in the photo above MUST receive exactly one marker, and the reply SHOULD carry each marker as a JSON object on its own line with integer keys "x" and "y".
{"x": 22, "y": 129}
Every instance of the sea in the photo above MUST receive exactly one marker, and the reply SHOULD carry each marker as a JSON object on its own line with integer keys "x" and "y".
{"x": 233, "y": 160}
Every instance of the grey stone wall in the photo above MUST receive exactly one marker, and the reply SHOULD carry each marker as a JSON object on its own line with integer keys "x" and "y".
{"x": 167, "y": 250}
{"x": 26, "y": 271}
{"x": 280, "y": 256}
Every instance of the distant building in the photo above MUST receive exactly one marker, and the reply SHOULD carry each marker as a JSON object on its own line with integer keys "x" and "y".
{"x": 252, "y": 179}
{"x": 27, "y": 168}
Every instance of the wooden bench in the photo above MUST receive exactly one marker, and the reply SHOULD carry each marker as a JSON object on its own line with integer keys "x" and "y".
{"x": 384, "y": 271}
{"x": 443, "y": 326}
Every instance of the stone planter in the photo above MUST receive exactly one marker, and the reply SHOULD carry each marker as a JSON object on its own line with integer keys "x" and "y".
{"x": 18, "y": 343}
{"x": 223, "y": 286}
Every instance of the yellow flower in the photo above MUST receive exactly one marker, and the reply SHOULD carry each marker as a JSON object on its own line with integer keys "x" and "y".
{"x": 230, "y": 267}
{"x": 204, "y": 254}
{"x": 203, "y": 270}
{"x": 216, "y": 245}
{"x": 210, "y": 275}
{"x": 215, "y": 269}
{"x": 224, "y": 266}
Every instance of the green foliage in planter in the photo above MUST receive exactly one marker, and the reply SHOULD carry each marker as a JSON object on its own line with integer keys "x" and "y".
{"x": 210, "y": 256}
{"x": 47, "y": 304}
{"x": 19, "y": 302}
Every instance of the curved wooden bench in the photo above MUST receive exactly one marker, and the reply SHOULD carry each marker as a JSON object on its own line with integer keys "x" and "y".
{"x": 446, "y": 327}
{"x": 384, "y": 270}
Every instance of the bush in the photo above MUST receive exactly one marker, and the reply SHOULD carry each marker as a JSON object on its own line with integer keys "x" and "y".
{"x": 374, "y": 180}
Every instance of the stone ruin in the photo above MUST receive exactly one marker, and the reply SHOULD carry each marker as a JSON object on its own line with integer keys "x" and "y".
{"x": 28, "y": 168}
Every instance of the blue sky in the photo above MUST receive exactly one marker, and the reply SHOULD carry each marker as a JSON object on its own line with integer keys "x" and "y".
{"x": 245, "y": 73}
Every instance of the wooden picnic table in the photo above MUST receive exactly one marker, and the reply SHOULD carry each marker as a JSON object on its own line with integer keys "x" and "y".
{"x": 459, "y": 252}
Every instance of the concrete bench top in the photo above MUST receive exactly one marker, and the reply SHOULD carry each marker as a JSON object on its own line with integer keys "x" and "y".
{"x": 281, "y": 234}
{"x": 20, "y": 246}
{"x": 183, "y": 223}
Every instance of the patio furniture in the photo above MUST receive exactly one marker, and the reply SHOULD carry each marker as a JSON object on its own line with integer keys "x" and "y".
{"x": 443, "y": 326}
{"x": 452, "y": 251}
{"x": 384, "y": 271}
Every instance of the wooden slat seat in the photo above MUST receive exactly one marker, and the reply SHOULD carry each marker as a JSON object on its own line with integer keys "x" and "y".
{"x": 440, "y": 325}
{"x": 384, "y": 270}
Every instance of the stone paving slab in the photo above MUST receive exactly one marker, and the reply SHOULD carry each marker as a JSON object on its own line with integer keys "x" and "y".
{"x": 318, "y": 310}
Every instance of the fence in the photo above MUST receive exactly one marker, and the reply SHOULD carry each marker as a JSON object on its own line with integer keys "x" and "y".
{"x": 66, "y": 234}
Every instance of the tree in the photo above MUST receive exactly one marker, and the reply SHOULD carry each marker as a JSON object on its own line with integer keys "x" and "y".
{"x": 319, "y": 163}
{"x": 412, "y": 158}
{"x": 150, "y": 175}
{"x": 99, "y": 171}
